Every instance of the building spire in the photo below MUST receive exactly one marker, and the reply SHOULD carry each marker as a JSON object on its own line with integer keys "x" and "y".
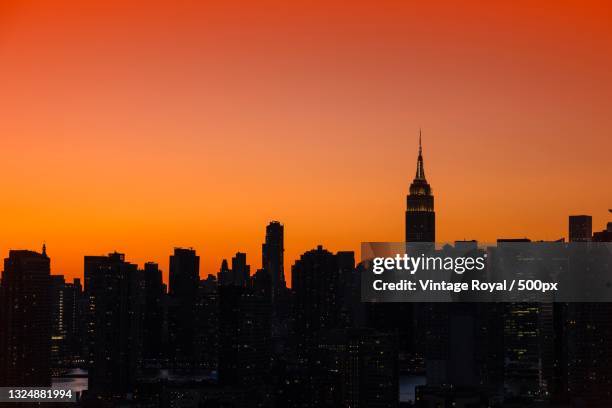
{"x": 420, "y": 172}
{"x": 44, "y": 249}
{"x": 420, "y": 148}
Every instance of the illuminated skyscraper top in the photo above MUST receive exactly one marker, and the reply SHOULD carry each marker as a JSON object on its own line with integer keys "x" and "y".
{"x": 420, "y": 172}
{"x": 420, "y": 215}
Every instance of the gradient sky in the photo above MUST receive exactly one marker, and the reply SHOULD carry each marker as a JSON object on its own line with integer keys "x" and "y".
{"x": 151, "y": 125}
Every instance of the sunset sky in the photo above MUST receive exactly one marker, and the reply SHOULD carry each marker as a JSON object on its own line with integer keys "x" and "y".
{"x": 190, "y": 123}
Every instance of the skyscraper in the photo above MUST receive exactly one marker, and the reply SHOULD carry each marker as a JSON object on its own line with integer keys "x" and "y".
{"x": 244, "y": 337}
{"x": 59, "y": 334}
{"x": 316, "y": 279}
{"x": 420, "y": 215}
{"x": 66, "y": 299}
{"x": 115, "y": 292}
{"x": 240, "y": 269}
{"x": 240, "y": 273}
{"x": 74, "y": 304}
{"x": 420, "y": 227}
{"x": 25, "y": 320}
{"x": 207, "y": 323}
{"x": 580, "y": 228}
{"x": 272, "y": 254}
{"x": 184, "y": 282}
{"x": 154, "y": 313}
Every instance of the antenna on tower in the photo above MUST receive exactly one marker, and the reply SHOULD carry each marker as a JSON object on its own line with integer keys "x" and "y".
{"x": 420, "y": 146}
{"x": 420, "y": 173}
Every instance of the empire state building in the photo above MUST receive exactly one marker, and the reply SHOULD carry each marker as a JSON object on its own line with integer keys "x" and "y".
{"x": 420, "y": 215}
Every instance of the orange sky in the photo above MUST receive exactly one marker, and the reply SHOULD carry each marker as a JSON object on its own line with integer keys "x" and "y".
{"x": 188, "y": 123}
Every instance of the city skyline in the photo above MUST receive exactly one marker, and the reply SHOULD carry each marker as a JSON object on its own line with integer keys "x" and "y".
{"x": 417, "y": 229}
{"x": 249, "y": 339}
{"x": 150, "y": 126}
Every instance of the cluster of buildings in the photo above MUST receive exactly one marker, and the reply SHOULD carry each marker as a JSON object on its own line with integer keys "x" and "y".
{"x": 243, "y": 339}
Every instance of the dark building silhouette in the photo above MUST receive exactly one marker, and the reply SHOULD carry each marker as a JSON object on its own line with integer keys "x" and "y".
{"x": 339, "y": 363}
{"x": 371, "y": 371}
{"x": 224, "y": 274}
{"x": 207, "y": 324}
{"x": 66, "y": 311}
{"x": 315, "y": 344}
{"x": 240, "y": 270}
{"x": 80, "y": 345}
{"x": 526, "y": 367}
{"x": 586, "y": 375}
{"x": 239, "y": 274}
{"x": 115, "y": 290}
{"x": 59, "y": 332}
{"x": 25, "y": 320}
{"x": 273, "y": 255}
{"x": 420, "y": 215}
{"x": 589, "y": 330}
{"x": 70, "y": 305}
{"x": 244, "y": 340}
{"x": 348, "y": 289}
{"x": 184, "y": 282}
{"x": 420, "y": 227}
{"x": 580, "y": 228}
{"x": 528, "y": 328}
{"x": 589, "y": 354}
{"x": 262, "y": 283}
{"x": 316, "y": 281}
{"x": 604, "y": 235}
{"x": 153, "y": 312}
{"x": 354, "y": 367}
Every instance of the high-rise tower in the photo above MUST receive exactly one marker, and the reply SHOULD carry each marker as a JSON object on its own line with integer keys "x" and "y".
{"x": 114, "y": 323}
{"x": 272, "y": 253}
{"x": 25, "y": 320}
{"x": 420, "y": 215}
{"x": 184, "y": 280}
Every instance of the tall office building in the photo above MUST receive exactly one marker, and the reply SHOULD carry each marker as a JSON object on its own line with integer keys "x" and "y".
{"x": 78, "y": 327}
{"x": 25, "y": 320}
{"x": 73, "y": 319}
{"x": 65, "y": 321}
{"x": 184, "y": 282}
{"x": 114, "y": 289}
{"x": 272, "y": 254}
{"x": 66, "y": 299}
{"x": 420, "y": 215}
{"x": 153, "y": 312}
{"x": 420, "y": 227}
{"x": 349, "y": 289}
{"x": 244, "y": 337}
{"x": 184, "y": 272}
{"x": 580, "y": 228}
{"x": 224, "y": 275}
{"x": 525, "y": 325}
{"x": 317, "y": 282}
{"x": 207, "y": 322}
{"x": 589, "y": 330}
{"x": 59, "y": 332}
{"x": 240, "y": 273}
